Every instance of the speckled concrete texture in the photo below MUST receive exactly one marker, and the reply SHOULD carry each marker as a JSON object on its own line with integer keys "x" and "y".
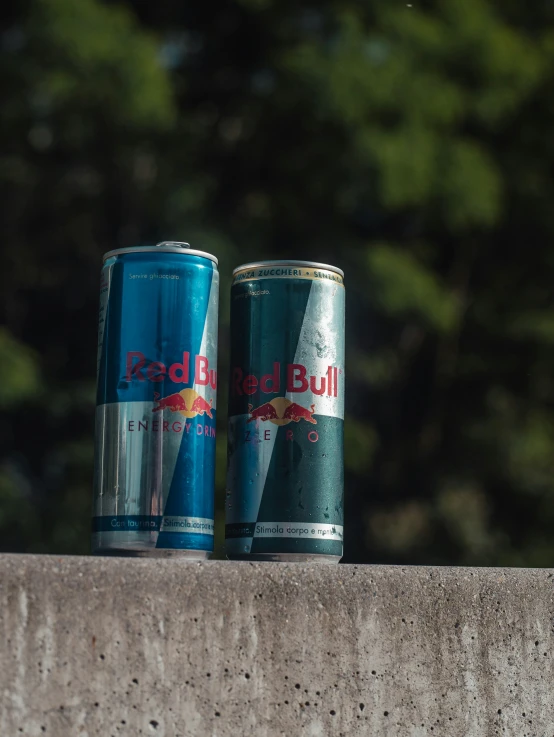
{"x": 112, "y": 647}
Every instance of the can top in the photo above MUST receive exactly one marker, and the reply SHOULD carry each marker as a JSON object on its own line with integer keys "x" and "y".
{"x": 288, "y": 262}
{"x": 179, "y": 247}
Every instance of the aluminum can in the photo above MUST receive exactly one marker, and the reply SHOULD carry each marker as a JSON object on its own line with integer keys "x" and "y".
{"x": 156, "y": 403}
{"x": 285, "y": 489}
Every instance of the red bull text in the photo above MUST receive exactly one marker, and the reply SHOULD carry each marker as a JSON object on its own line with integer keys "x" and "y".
{"x": 284, "y": 496}
{"x": 156, "y": 407}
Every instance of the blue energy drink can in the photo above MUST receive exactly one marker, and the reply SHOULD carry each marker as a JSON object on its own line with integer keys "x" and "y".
{"x": 156, "y": 403}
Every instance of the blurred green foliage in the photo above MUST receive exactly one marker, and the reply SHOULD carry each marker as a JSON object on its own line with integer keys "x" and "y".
{"x": 409, "y": 144}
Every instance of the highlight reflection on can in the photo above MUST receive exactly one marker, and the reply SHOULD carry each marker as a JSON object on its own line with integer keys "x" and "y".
{"x": 285, "y": 489}
{"x": 156, "y": 403}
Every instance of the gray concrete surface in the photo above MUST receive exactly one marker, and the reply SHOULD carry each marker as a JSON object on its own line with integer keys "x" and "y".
{"x": 109, "y": 647}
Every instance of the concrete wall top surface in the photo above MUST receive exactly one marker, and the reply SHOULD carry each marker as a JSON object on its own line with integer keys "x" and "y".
{"x": 107, "y": 647}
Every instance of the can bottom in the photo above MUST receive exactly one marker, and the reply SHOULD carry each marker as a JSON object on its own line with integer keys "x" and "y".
{"x": 140, "y": 545}
{"x": 191, "y": 555}
{"x": 288, "y": 558}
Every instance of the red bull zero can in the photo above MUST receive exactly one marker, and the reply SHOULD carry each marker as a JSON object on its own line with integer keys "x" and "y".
{"x": 156, "y": 404}
{"x": 285, "y": 489}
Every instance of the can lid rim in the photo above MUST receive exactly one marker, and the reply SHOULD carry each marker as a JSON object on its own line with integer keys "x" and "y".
{"x": 180, "y": 250}
{"x": 288, "y": 262}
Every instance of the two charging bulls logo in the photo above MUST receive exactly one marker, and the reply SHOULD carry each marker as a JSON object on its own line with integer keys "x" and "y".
{"x": 187, "y": 402}
{"x": 281, "y": 411}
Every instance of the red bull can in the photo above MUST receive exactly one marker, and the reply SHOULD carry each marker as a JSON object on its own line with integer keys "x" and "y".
{"x": 285, "y": 489}
{"x": 156, "y": 402}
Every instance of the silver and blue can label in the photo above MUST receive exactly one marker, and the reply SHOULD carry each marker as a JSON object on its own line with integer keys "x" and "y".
{"x": 156, "y": 402}
{"x": 285, "y": 490}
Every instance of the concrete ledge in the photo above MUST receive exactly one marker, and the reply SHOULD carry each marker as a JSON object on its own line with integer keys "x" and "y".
{"x": 102, "y": 647}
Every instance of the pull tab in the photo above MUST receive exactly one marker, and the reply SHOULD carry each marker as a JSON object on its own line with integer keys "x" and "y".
{"x": 179, "y": 244}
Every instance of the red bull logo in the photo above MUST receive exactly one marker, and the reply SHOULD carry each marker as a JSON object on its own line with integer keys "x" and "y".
{"x": 187, "y": 403}
{"x": 297, "y": 380}
{"x": 281, "y": 411}
{"x": 138, "y": 368}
